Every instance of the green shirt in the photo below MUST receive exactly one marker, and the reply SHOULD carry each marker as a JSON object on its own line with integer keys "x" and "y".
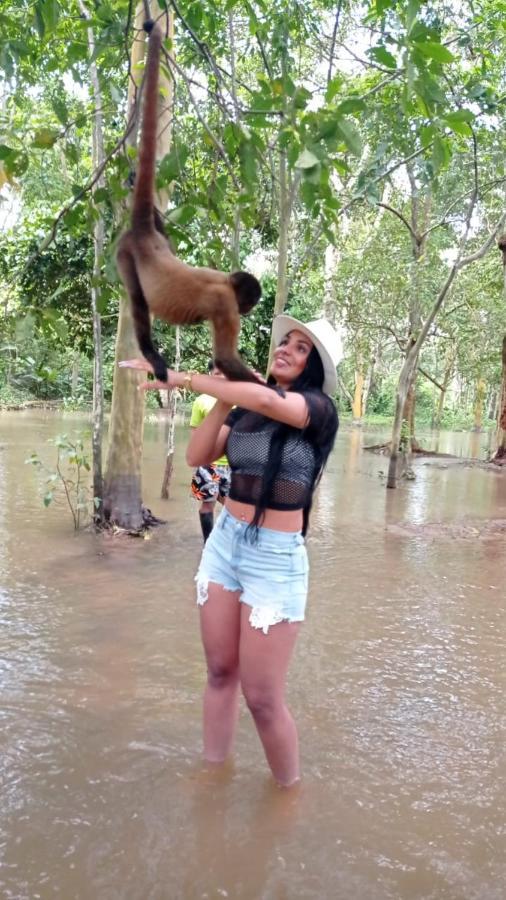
{"x": 201, "y": 408}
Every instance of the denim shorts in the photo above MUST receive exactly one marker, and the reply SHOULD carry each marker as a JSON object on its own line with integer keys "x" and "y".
{"x": 271, "y": 571}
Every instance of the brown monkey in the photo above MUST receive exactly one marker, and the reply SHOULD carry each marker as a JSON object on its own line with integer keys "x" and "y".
{"x": 156, "y": 280}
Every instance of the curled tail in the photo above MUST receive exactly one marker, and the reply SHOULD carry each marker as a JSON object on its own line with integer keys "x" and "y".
{"x": 144, "y": 188}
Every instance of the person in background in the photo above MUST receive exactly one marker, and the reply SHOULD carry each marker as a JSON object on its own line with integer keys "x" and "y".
{"x": 209, "y": 483}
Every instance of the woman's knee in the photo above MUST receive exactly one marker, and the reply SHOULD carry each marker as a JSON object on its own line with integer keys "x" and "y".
{"x": 262, "y": 703}
{"x": 222, "y": 674}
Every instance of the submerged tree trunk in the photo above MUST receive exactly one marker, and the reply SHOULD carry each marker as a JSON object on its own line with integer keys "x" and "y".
{"x": 123, "y": 486}
{"x": 400, "y": 437}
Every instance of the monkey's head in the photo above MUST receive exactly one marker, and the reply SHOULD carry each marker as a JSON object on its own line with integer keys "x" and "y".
{"x": 247, "y": 290}
{"x": 501, "y": 242}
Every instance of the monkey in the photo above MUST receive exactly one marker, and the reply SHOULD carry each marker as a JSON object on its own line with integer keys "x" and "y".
{"x": 156, "y": 280}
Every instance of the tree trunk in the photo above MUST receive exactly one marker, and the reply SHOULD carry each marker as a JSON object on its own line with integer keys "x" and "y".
{"x": 123, "y": 486}
{"x": 356, "y": 408}
{"x": 500, "y": 454}
{"x": 411, "y": 444}
{"x": 329, "y": 299}
{"x": 447, "y": 377}
{"x": 369, "y": 381}
{"x": 479, "y": 400}
{"x": 98, "y": 250}
{"x": 171, "y": 426}
{"x": 399, "y": 438}
{"x": 75, "y": 374}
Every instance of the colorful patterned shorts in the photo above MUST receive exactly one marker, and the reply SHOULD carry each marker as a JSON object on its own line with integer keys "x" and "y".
{"x": 210, "y": 483}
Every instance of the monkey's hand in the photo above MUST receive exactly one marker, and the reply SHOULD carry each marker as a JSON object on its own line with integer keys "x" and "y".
{"x": 142, "y": 365}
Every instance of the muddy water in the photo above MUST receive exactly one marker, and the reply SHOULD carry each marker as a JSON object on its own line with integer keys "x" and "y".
{"x": 398, "y": 687}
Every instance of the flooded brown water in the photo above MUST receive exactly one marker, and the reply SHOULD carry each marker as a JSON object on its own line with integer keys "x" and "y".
{"x": 398, "y": 687}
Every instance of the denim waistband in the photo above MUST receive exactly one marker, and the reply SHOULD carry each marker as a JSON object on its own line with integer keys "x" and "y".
{"x": 259, "y": 536}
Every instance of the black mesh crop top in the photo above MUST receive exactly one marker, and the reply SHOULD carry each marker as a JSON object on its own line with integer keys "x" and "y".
{"x": 248, "y": 447}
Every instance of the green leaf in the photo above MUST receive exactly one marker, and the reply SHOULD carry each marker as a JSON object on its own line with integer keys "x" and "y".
{"x": 48, "y": 498}
{"x": 301, "y": 98}
{"x": 181, "y": 214}
{"x": 435, "y": 51}
{"x": 100, "y": 195}
{"x": 383, "y": 5}
{"x": 327, "y": 128}
{"x": 6, "y": 152}
{"x": 429, "y": 89}
{"x": 383, "y": 56}
{"x": 50, "y": 13}
{"x": 309, "y": 194}
{"x": 247, "y": 158}
{"x": 45, "y": 138}
{"x": 461, "y": 115}
{"x": 351, "y": 105}
{"x": 306, "y": 160}
{"x": 441, "y": 154}
{"x": 350, "y": 136}
{"x": 60, "y": 108}
{"x": 333, "y": 88}
{"x": 17, "y": 163}
{"x": 458, "y": 126}
{"x": 412, "y": 12}
{"x": 39, "y": 20}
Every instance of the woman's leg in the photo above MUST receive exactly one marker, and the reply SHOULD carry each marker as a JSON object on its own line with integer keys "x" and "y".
{"x": 220, "y": 630}
{"x": 264, "y": 660}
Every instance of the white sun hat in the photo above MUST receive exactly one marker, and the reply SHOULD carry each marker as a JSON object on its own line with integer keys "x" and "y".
{"x": 325, "y": 339}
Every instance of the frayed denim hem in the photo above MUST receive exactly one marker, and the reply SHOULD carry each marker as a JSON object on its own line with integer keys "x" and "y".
{"x": 261, "y": 617}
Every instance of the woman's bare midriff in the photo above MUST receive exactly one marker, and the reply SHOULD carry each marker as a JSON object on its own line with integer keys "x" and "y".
{"x": 277, "y": 519}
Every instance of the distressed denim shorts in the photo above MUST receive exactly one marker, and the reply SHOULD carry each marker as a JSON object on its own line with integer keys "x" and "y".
{"x": 271, "y": 572}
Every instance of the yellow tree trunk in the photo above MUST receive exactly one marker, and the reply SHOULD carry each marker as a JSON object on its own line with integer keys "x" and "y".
{"x": 123, "y": 483}
{"x": 357, "y": 396}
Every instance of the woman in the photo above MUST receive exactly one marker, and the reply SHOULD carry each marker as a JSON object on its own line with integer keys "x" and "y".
{"x": 252, "y": 578}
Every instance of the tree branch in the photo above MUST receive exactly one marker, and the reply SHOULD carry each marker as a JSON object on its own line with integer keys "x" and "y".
{"x": 402, "y": 218}
{"x": 333, "y": 42}
{"x": 426, "y": 375}
{"x": 466, "y": 260}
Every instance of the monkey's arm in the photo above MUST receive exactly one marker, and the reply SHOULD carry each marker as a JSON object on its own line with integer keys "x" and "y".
{"x": 207, "y": 441}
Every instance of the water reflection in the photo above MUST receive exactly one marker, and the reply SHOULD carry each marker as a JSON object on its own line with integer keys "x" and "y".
{"x": 397, "y": 685}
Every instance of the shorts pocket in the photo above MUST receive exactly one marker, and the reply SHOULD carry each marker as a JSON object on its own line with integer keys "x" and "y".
{"x": 299, "y": 562}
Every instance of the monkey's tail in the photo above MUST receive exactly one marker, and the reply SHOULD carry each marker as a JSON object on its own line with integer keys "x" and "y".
{"x": 144, "y": 188}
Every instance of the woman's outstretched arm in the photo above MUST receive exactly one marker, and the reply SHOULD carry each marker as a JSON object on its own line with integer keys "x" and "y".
{"x": 290, "y": 408}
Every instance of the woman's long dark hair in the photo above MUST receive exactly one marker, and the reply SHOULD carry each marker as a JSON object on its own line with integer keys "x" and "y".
{"x": 310, "y": 381}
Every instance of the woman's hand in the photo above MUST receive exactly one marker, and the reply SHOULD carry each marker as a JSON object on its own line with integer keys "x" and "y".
{"x": 142, "y": 365}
